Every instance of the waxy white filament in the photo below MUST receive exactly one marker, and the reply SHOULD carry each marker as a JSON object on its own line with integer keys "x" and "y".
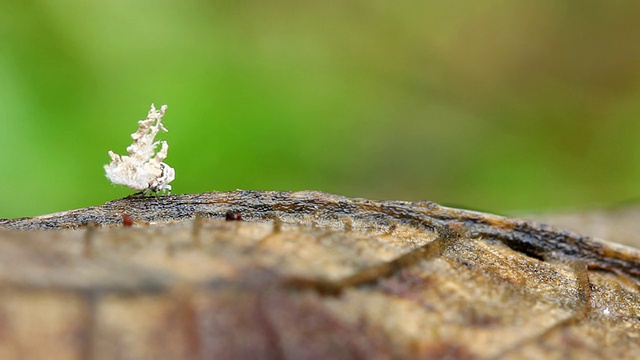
{"x": 143, "y": 169}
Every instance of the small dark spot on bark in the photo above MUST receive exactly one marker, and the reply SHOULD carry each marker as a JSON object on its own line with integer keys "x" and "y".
{"x": 127, "y": 220}
{"x": 233, "y": 216}
{"x": 88, "y": 239}
{"x": 197, "y": 227}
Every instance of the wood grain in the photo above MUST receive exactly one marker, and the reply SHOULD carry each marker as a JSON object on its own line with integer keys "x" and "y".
{"x": 309, "y": 275}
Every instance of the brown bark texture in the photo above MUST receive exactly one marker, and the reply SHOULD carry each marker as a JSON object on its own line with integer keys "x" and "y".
{"x": 309, "y": 275}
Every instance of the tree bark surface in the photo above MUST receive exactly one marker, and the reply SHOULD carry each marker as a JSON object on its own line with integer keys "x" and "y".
{"x": 309, "y": 275}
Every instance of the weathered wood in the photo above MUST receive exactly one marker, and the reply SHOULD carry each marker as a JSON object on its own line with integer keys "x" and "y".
{"x": 309, "y": 275}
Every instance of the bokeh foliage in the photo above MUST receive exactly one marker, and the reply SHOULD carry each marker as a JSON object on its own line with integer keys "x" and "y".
{"x": 492, "y": 105}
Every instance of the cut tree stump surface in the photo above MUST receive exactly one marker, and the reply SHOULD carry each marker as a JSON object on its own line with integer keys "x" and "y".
{"x": 309, "y": 275}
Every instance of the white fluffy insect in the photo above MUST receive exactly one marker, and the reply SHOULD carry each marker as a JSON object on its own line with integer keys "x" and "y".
{"x": 143, "y": 170}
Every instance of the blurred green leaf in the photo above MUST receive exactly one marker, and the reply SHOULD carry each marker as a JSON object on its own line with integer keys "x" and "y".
{"x": 484, "y": 104}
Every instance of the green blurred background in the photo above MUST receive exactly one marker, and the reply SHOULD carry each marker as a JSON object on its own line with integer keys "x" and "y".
{"x": 492, "y": 105}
